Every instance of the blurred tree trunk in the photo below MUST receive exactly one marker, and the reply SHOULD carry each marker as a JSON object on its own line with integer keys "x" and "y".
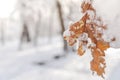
{"x": 36, "y": 34}
{"x": 2, "y": 33}
{"x": 25, "y": 34}
{"x": 37, "y": 27}
{"x": 50, "y": 25}
{"x": 61, "y": 22}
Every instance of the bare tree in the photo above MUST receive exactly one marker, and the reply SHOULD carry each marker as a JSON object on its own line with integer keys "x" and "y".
{"x": 25, "y": 34}
{"x": 50, "y": 27}
{"x": 60, "y": 14}
{"x": 37, "y": 27}
{"x": 2, "y": 32}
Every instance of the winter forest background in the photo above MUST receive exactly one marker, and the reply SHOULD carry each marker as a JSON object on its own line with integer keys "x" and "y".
{"x": 32, "y": 45}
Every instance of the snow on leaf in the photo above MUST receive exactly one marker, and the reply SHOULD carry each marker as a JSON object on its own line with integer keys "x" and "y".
{"x": 89, "y": 31}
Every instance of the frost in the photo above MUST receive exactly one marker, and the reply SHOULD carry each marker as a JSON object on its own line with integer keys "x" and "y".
{"x": 88, "y": 34}
{"x": 67, "y": 33}
{"x": 83, "y": 37}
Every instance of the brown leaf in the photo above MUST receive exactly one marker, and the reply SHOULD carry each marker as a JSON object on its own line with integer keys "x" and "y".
{"x": 86, "y": 6}
{"x": 80, "y": 50}
{"x": 95, "y": 42}
{"x": 102, "y": 45}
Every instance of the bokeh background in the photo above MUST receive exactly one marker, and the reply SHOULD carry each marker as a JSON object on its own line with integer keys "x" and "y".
{"x": 32, "y": 45}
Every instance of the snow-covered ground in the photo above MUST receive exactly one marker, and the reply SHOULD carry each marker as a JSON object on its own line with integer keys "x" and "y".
{"x": 39, "y": 63}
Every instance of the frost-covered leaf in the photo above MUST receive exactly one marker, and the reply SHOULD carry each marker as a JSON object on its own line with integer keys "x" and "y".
{"x": 89, "y": 34}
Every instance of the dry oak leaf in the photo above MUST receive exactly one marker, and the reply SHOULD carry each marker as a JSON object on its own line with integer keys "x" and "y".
{"x": 102, "y": 45}
{"x": 95, "y": 66}
{"x": 86, "y": 6}
{"x": 80, "y": 50}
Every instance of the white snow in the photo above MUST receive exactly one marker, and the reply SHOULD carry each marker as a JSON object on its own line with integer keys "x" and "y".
{"x": 24, "y": 64}
{"x": 110, "y": 13}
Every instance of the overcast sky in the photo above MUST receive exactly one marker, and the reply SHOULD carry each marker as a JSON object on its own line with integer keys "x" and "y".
{"x": 6, "y": 7}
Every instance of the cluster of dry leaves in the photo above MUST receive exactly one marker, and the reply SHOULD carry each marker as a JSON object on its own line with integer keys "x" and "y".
{"x": 88, "y": 34}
